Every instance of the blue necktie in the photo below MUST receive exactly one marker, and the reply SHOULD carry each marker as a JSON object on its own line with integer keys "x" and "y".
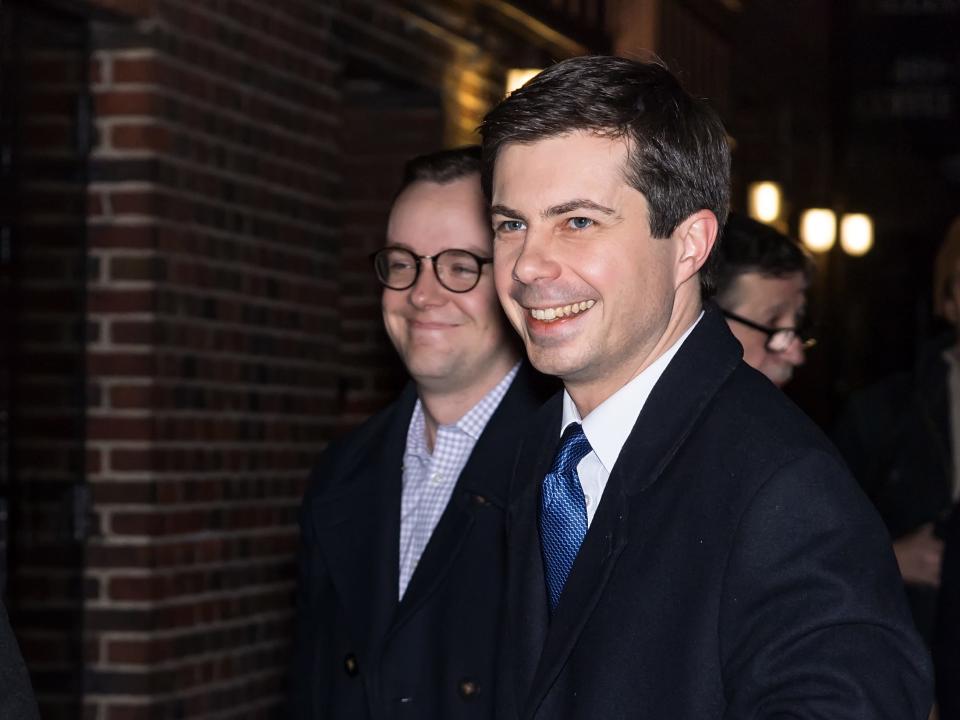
{"x": 563, "y": 512}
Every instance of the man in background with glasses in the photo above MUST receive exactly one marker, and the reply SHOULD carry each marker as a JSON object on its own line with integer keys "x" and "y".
{"x": 761, "y": 280}
{"x": 402, "y": 527}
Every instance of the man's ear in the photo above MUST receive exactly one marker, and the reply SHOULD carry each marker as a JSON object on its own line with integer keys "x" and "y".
{"x": 695, "y": 238}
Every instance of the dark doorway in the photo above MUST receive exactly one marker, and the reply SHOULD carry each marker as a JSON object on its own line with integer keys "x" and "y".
{"x": 387, "y": 120}
{"x": 44, "y": 142}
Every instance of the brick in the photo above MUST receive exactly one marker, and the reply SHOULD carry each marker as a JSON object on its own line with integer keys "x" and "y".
{"x": 120, "y": 620}
{"x": 138, "y": 652}
{"x": 131, "y": 396}
{"x": 110, "y": 493}
{"x": 119, "y": 428}
{"x": 99, "y": 555}
{"x": 134, "y": 202}
{"x": 135, "y": 332}
{"x": 135, "y": 589}
{"x": 136, "y": 523}
{"x": 140, "y": 137}
{"x": 121, "y": 236}
{"x": 137, "y": 268}
{"x": 126, "y": 102}
{"x": 121, "y": 301}
{"x": 127, "y": 460}
{"x": 113, "y": 364}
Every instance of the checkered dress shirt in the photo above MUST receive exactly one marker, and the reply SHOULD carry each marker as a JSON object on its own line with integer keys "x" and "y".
{"x": 428, "y": 480}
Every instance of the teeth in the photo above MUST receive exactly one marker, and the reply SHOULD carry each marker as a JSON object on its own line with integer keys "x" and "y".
{"x": 555, "y": 313}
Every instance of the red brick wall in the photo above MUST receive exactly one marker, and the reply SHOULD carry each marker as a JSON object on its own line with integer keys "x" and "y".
{"x": 214, "y": 233}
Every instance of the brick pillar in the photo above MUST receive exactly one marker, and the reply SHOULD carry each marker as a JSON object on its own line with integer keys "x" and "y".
{"x": 212, "y": 363}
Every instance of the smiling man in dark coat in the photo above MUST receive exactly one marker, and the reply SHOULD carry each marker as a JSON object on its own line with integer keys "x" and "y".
{"x": 402, "y": 560}
{"x": 683, "y": 542}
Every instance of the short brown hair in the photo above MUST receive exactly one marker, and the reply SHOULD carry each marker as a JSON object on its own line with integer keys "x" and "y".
{"x": 678, "y": 152}
{"x": 441, "y": 167}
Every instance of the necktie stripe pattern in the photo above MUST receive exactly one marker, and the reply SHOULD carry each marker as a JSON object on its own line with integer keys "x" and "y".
{"x": 563, "y": 512}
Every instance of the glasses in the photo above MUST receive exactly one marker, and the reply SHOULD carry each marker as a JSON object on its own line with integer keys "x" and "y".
{"x": 457, "y": 270}
{"x": 778, "y": 339}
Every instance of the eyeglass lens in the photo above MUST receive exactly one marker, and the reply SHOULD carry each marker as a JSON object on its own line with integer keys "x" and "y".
{"x": 780, "y": 340}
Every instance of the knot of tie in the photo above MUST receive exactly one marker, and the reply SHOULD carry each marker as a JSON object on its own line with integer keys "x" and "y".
{"x": 563, "y": 511}
{"x": 574, "y": 446}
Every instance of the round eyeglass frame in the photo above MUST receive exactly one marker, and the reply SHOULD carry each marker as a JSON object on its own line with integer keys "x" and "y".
{"x": 375, "y": 258}
{"x": 773, "y": 332}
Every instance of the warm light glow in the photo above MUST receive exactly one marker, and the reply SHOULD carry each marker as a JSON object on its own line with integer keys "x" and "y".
{"x": 856, "y": 234}
{"x": 516, "y": 77}
{"x": 818, "y": 229}
{"x": 764, "y": 201}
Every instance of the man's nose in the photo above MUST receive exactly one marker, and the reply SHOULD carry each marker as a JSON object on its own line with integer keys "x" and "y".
{"x": 427, "y": 291}
{"x": 536, "y": 261}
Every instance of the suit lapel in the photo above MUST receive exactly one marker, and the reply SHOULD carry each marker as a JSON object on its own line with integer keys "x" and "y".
{"x": 671, "y": 411}
{"x": 359, "y": 531}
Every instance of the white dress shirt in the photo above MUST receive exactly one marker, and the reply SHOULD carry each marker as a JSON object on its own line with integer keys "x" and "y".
{"x": 608, "y": 426}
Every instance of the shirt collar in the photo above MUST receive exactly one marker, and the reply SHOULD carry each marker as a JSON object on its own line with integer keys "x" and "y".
{"x": 608, "y": 426}
{"x": 471, "y": 423}
{"x": 477, "y": 417}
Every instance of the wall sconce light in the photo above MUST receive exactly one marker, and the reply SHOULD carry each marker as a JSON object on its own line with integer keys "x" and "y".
{"x": 856, "y": 234}
{"x": 516, "y": 77}
{"x": 764, "y": 201}
{"x": 818, "y": 229}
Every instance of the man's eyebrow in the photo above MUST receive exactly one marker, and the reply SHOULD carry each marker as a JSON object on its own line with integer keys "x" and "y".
{"x": 506, "y": 212}
{"x": 578, "y": 204}
{"x": 556, "y": 210}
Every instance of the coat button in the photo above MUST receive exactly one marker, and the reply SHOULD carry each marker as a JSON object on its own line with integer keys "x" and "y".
{"x": 350, "y": 665}
{"x": 468, "y": 689}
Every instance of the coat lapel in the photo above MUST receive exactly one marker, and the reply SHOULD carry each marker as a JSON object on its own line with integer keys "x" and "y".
{"x": 359, "y": 531}
{"x": 527, "y": 614}
{"x": 588, "y": 577}
{"x": 689, "y": 382}
{"x": 483, "y": 481}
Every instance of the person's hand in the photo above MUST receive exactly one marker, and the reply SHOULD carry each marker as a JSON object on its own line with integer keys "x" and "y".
{"x": 919, "y": 556}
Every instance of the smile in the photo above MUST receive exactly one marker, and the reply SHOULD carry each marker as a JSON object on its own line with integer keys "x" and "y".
{"x": 556, "y": 313}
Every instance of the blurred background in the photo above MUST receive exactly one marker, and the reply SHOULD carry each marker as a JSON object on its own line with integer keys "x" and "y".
{"x": 189, "y": 190}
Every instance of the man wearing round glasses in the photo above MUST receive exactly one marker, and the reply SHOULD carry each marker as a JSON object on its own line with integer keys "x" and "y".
{"x": 402, "y": 527}
{"x": 762, "y": 279}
